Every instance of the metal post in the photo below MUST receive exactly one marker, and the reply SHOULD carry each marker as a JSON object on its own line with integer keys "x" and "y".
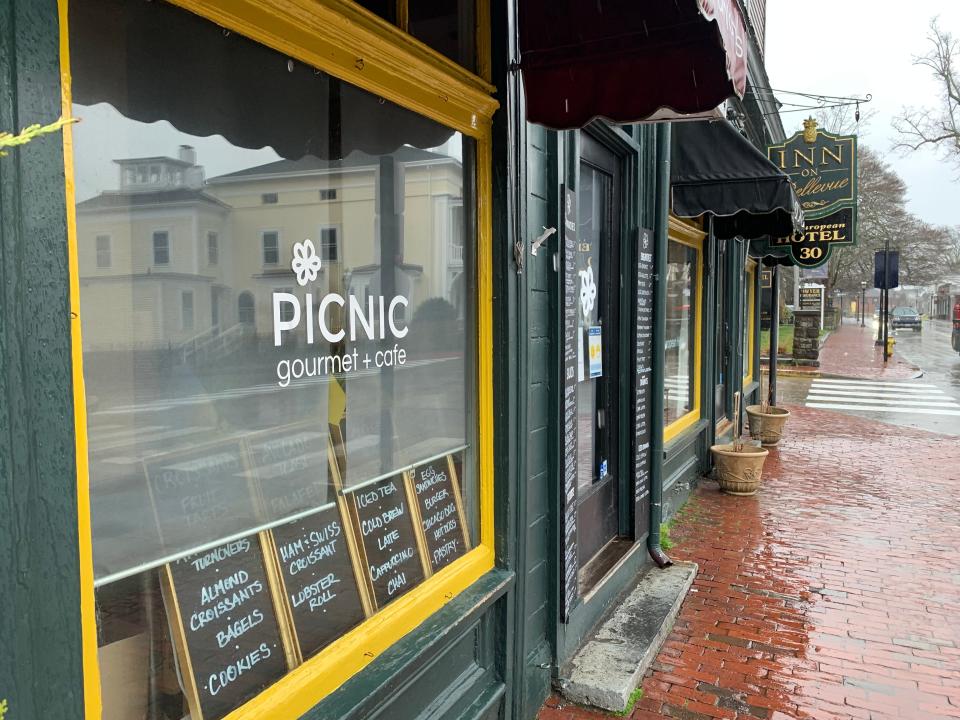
{"x": 880, "y": 310}
{"x": 774, "y": 332}
{"x": 886, "y": 296}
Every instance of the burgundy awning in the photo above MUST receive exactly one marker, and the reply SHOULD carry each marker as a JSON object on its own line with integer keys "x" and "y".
{"x": 626, "y": 59}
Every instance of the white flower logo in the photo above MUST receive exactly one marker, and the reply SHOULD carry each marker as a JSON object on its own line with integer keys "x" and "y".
{"x": 306, "y": 262}
{"x": 588, "y": 290}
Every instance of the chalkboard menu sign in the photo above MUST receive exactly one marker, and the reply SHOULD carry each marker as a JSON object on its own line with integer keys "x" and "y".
{"x": 440, "y": 507}
{"x": 227, "y": 634}
{"x": 571, "y": 339}
{"x": 200, "y": 493}
{"x": 643, "y": 361}
{"x": 319, "y": 578}
{"x": 290, "y": 468}
{"x": 387, "y": 535}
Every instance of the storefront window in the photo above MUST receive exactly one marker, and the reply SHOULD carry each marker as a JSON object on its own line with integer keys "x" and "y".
{"x": 681, "y": 346}
{"x": 271, "y": 470}
{"x": 446, "y": 26}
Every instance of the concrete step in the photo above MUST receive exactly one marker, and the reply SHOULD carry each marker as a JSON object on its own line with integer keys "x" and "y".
{"x": 612, "y": 662}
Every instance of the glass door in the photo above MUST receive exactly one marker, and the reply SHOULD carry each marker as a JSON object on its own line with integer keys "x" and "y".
{"x": 598, "y": 270}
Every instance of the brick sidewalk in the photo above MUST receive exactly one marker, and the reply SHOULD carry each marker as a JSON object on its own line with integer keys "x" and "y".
{"x": 850, "y": 351}
{"x": 834, "y": 593}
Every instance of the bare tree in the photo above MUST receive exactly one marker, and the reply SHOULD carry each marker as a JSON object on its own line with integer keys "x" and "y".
{"x": 842, "y": 119}
{"x": 927, "y": 252}
{"x": 937, "y": 127}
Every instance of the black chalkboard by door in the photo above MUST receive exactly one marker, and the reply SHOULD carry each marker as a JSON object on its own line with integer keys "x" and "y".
{"x": 570, "y": 358}
{"x": 642, "y": 379}
{"x": 223, "y": 609}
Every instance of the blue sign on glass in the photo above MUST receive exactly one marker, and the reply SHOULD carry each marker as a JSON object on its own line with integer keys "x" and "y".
{"x": 595, "y": 350}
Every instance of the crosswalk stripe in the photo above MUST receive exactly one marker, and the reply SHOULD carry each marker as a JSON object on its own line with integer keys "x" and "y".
{"x": 880, "y": 401}
{"x": 929, "y": 395}
{"x": 880, "y": 396}
{"x": 877, "y": 408}
{"x": 878, "y": 388}
{"x": 906, "y": 384}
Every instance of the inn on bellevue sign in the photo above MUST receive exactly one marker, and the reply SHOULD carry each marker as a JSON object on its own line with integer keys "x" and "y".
{"x": 823, "y": 169}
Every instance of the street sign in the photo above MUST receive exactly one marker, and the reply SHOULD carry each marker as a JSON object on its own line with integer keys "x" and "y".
{"x": 893, "y": 270}
{"x": 823, "y": 170}
{"x": 819, "y": 237}
{"x": 822, "y": 167}
{"x": 810, "y": 297}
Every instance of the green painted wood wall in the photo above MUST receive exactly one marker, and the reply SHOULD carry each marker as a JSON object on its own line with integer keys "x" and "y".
{"x": 40, "y": 650}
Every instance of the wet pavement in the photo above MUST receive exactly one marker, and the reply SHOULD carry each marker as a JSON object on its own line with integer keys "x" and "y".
{"x": 929, "y": 402}
{"x": 851, "y": 351}
{"x": 931, "y": 351}
{"x": 833, "y": 593}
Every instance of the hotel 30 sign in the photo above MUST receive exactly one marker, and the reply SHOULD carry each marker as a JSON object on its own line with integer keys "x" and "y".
{"x": 823, "y": 169}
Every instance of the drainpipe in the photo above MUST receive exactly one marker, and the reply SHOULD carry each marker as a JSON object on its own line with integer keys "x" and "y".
{"x": 774, "y": 353}
{"x": 659, "y": 328}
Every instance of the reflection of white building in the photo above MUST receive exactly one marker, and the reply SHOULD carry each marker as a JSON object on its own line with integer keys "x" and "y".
{"x": 174, "y": 260}
{"x": 146, "y": 255}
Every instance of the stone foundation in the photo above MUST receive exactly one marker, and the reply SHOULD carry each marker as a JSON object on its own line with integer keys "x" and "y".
{"x": 806, "y": 337}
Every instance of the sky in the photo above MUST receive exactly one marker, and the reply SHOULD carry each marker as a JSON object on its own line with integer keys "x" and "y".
{"x": 843, "y": 47}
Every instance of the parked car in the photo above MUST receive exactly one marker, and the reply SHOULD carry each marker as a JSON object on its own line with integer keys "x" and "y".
{"x": 905, "y": 317}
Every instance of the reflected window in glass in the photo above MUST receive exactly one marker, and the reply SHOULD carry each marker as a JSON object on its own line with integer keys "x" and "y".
{"x": 680, "y": 332}
{"x": 103, "y": 251}
{"x": 213, "y": 248}
{"x": 161, "y": 248}
{"x": 328, "y": 244}
{"x": 271, "y": 247}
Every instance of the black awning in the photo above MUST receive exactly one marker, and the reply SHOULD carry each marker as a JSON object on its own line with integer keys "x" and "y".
{"x": 715, "y": 170}
{"x": 624, "y": 60}
{"x": 155, "y": 62}
{"x": 770, "y": 255}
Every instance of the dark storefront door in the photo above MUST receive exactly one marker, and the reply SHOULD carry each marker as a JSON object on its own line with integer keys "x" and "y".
{"x": 598, "y": 269}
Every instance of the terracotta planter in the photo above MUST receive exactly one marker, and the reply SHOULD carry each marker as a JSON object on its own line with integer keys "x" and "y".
{"x": 767, "y": 427}
{"x": 739, "y": 472}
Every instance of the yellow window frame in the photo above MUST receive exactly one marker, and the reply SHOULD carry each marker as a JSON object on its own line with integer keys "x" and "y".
{"x": 690, "y": 234}
{"x": 750, "y": 278}
{"x": 349, "y": 42}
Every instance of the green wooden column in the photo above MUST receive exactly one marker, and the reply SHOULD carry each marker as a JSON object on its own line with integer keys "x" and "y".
{"x": 40, "y": 662}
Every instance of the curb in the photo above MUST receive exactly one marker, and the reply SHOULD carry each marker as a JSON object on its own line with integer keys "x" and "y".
{"x": 790, "y": 372}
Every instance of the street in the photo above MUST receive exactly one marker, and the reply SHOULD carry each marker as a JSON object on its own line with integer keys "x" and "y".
{"x": 929, "y": 402}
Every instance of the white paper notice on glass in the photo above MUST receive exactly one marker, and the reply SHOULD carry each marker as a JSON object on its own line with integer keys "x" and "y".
{"x": 595, "y": 345}
{"x": 580, "y": 363}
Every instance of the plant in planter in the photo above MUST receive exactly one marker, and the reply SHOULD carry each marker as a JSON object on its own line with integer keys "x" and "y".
{"x": 739, "y": 466}
{"x": 766, "y": 420}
